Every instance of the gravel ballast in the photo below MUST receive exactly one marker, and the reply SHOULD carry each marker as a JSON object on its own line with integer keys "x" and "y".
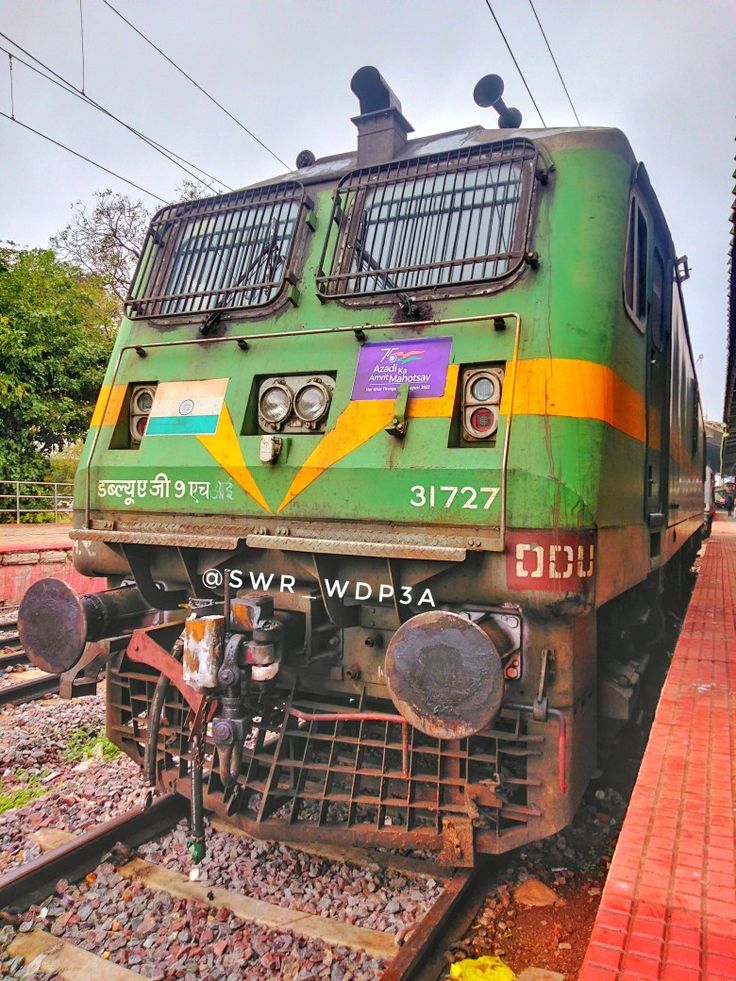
{"x": 76, "y": 795}
{"x": 368, "y": 896}
{"x": 162, "y": 937}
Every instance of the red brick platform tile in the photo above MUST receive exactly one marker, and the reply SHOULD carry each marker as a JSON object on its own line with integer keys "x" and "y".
{"x": 668, "y": 910}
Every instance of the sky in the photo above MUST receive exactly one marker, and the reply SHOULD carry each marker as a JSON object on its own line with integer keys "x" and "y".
{"x": 660, "y": 70}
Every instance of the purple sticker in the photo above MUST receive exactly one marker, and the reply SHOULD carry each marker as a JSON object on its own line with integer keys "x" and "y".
{"x": 420, "y": 364}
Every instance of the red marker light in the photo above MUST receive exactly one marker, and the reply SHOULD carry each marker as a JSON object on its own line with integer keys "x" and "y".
{"x": 483, "y": 421}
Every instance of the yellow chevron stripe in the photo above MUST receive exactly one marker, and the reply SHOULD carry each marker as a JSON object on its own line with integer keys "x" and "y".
{"x": 358, "y": 422}
{"x": 224, "y": 446}
{"x": 577, "y": 389}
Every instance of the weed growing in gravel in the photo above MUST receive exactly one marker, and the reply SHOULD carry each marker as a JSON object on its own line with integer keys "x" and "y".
{"x": 29, "y": 790}
{"x": 84, "y": 742}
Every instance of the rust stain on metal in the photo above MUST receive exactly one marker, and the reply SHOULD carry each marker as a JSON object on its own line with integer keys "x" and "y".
{"x": 144, "y": 650}
{"x": 444, "y": 675}
{"x": 203, "y": 647}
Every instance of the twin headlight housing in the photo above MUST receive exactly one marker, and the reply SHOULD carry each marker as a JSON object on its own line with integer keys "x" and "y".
{"x": 294, "y": 403}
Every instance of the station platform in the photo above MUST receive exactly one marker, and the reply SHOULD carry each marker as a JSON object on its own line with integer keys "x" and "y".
{"x": 29, "y": 552}
{"x": 668, "y": 909}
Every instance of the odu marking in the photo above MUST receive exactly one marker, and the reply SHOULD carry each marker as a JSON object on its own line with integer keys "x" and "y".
{"x": 550, "y": 560}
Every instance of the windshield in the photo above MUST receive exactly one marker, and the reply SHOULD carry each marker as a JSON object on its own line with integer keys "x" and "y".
{"x": 442, "y": 221}
{"x": 223, "y": 253}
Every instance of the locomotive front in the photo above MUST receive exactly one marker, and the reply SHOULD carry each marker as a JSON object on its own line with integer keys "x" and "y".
{"x": 349, "y": 576}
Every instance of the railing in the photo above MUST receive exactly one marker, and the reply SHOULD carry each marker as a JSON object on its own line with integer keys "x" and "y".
{"x": 48, "y": 501}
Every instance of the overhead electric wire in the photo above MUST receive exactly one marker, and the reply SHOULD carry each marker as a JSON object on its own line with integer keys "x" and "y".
{"x": 559, "y": 73}
{"x": 197, "y": 85}
{"x": 81, "y": 156}
{"x": 81, "y": 38}
{"x": 508, "y": 46}
{"x": 71, "y": 89}
{"x": 12, "y": 87}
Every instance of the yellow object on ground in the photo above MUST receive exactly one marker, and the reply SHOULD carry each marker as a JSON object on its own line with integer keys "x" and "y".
{"x": 481, "y": 969}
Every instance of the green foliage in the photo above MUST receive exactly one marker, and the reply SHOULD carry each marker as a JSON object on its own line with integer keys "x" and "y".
{"x": 64, "y": 463}
{"x": 85, "y": 741}
{"x": 30, "y": 789}
{"x": 55, "y": 327}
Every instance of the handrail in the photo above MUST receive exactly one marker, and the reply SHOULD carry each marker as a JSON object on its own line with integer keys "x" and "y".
{"x": 57, "y": 496}
{"x": 243, "y": 341}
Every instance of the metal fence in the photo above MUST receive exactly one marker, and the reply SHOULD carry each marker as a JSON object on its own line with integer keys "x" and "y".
{"x": 46, "y": 501}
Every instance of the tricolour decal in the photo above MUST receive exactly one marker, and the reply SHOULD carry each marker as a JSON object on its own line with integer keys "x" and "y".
{"x": 189, "y": 408}
{"x": 382, "y": 367}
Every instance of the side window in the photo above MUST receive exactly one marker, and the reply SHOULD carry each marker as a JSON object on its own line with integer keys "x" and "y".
{"x": 635, "y": 269}
{"x": 656, "y": 308}
{"x": 694, "y": 419}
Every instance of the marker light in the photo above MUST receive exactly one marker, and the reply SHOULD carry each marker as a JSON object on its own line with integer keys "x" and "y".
{"x": 144, "y": 401}
{"x": 141, "y": 403}
{"x": 484, "y": 421}
{"x": 481, "y": 401}
{"x": 312, "y": 402}
{"x": 484, "y": 388}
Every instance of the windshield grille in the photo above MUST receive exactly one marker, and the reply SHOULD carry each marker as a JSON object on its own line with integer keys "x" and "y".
{"x": 225, "y": 253}
{"x": 455, "y": 218}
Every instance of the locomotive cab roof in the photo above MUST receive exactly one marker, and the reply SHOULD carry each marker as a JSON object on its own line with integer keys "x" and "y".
{"x": 331, "y": 168}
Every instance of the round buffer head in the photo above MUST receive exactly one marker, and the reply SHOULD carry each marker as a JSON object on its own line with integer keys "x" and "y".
{"x": 444, "y": 675}
{"x": 52, "y": 625}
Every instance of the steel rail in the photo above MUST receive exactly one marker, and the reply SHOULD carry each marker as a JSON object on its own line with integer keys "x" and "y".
{"x": 13, "y": 655}
{"x": 431, "y": 933}
{"x": 36, "y": 880}
{"x": 28, "y": 691}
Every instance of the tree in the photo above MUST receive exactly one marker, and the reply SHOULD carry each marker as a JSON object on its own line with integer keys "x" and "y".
{"x": 105, "y": 239}
{"x": 55, "y": 340}
{"x": 64, "y": 463}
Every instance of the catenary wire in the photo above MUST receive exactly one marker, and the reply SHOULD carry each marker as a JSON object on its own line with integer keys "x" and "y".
{"x": 72, "y": 89}
{"x": 196, "y": 84}
{"x": 81, "y": 38}
{"x": 81, "y": 156}
{"x": 554, "y": 60}
{"x": 12, "y": 87}
{"x": 508, "y": 46}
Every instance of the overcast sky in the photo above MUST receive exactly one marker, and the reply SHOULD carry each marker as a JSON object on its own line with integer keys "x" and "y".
{"x": 661, "y": 70}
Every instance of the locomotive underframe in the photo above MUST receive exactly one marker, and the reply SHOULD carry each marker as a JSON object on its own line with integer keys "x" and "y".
{"x": 384, "y": 783}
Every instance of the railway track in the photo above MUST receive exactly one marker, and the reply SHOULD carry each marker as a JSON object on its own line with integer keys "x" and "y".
{"x": 416, "y": 954}
{"x": 12, "y": 655}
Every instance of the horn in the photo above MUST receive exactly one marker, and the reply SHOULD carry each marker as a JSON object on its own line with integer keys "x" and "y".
{"x": 488, "y": 92}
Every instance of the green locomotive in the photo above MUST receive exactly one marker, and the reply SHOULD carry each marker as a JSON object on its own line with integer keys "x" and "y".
{"x": 395, "y": 456}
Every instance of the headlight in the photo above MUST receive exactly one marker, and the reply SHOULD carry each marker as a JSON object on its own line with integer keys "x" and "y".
{"x": 312, "y": 402}
{"x": 275, "y": 403}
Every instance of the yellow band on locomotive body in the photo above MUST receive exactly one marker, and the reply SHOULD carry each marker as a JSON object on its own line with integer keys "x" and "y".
{"x": 576, "y": 389}
{"x": 542, "y": 386}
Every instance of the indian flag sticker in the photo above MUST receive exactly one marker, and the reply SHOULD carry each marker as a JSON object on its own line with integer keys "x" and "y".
{"x": 188, "y": 408}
